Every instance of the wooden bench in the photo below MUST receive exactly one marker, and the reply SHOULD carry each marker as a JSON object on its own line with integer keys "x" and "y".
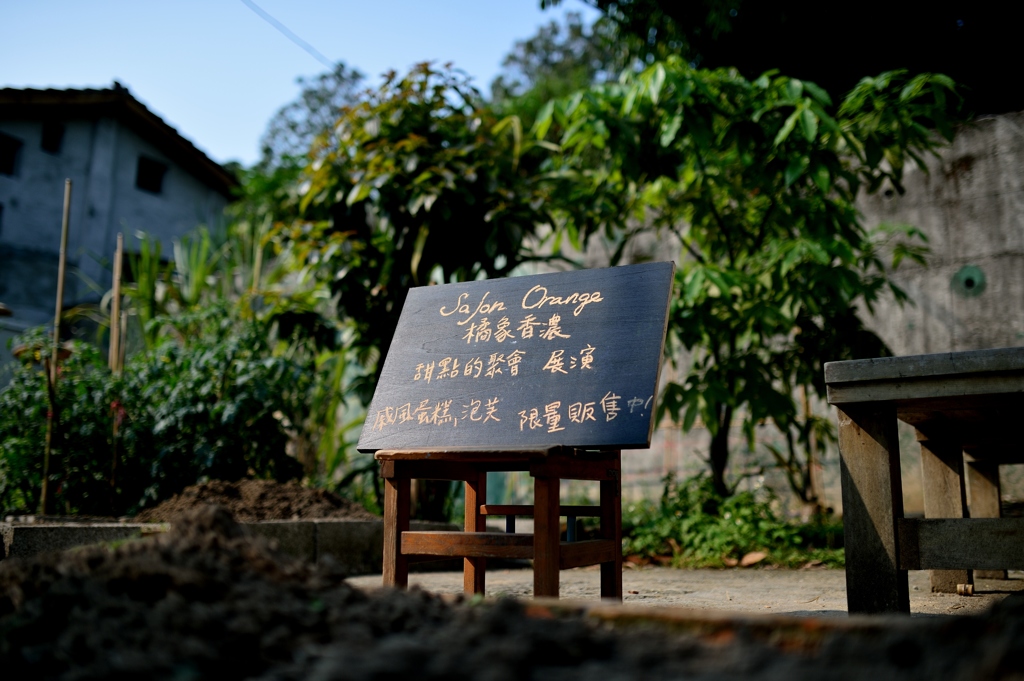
{"x": 549, "y": 374}
{"x": 959, "y": 403}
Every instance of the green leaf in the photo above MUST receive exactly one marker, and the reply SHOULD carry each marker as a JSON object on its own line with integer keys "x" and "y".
{"x": 358, "y": 192}
{"x": 544, "y": 119}
{"x": 786, "y": 128}
{"x": 795, "y": 169}
{"x": 794, "y": 88}
{"x": 670, "y": 129}
{"x": 657, "y": 81}
{"x": 809, "y": 123}
{"x": 817, "y": 93}
{"x": 821, "y": 177}
{"x": 693, "y": 285}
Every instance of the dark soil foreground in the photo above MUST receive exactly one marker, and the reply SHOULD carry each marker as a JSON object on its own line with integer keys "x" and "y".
{"x": 255, "y": 500}
{"x": 207, "y": 601}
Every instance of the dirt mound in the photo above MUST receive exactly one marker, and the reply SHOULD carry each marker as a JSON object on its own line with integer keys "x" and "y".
{"x": 207, "y": 601}
{"x": 255, "y": 500}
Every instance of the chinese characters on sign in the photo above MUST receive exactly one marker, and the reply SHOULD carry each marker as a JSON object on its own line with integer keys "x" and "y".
{"x": 568, "y": 358}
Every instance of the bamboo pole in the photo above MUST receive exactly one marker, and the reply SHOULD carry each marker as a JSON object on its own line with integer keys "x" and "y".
{"x": 113, "y": 361}
{"x": 52, "y": 417}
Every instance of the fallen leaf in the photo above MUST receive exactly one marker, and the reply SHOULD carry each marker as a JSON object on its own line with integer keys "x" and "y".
{"x": 752, "y": 558}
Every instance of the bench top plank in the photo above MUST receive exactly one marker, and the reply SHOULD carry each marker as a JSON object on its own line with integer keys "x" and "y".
{"x": 995, "y": 360}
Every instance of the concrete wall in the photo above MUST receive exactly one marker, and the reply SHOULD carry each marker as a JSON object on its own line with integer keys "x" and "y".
{"x": 970, "y": 204}
{"x": 100, "y": 157}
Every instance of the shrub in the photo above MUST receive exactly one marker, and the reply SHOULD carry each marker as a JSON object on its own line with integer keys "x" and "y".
{"x": 210, "y": 405}
{"x": 693, "y": 526}
{"x": 83, "y": 438}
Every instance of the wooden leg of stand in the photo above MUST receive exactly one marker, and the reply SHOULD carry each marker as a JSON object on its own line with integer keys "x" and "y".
{"x": 611, "y": 528}
{"x": 474, "y": 569}
{"x": 546, "y": 531}
{"x": 942, "y": 472}
{"x": 983, "y": 480}
{"x": 396, "y": 521}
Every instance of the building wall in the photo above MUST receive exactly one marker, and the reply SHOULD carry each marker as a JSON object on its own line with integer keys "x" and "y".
{"x": 101, "y": 158}
{"x": 970, "y": 204}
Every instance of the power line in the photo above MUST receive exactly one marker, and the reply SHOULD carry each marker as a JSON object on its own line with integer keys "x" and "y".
{"x": 288, "y": 33}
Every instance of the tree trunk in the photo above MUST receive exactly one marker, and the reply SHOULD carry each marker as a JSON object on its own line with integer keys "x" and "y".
{"x": 431, "y": 499}
{"x": 719, "y": 454}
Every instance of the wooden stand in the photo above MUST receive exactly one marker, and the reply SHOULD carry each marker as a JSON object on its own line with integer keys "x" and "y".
{"x": 548, "y": 467}
{"x": 961, "y": 402}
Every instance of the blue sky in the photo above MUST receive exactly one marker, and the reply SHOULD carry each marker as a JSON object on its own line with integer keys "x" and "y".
{"x": 217, "y": 72}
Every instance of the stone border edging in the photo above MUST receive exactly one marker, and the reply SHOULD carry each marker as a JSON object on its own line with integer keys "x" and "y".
{"x": 357, "y": 545}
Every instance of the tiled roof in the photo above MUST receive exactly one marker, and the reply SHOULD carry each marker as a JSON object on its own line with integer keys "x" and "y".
{"x": 116, "y": 102}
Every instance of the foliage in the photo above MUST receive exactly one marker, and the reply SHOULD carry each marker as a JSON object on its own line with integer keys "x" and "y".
{"x": 556, "y": 62}
{"x": 214, "y": 405}
{"x": 423, "y": 184}
{"x": 696, "y": 527}
{"x": 820, "y": 41}
{"x": 756, "y": 180}
{"x": 84, "y": 451}
{"x": 290, "y": 133}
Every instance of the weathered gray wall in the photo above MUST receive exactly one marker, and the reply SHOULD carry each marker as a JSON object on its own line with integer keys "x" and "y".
{"x": 101, "y": 159}
{"x": 970, "y": 204}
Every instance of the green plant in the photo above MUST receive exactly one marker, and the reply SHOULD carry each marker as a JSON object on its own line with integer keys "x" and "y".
{"x": 217, "y": 404}
{"x": 694, "y": 526}
{"x": 213, "y": 406}
{"x": 756, "y": 182}
{"x": 83, "y": 463}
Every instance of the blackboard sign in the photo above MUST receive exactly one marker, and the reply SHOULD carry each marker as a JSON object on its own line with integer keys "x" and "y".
{"x": 570, "y": 358}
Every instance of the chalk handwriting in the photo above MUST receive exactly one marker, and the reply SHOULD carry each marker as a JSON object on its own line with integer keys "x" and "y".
{"x": 462, "y": 307}
{"x": 538, "y": 297}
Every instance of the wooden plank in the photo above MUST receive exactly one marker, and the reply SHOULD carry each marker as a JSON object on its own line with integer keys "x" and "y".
{"x": 566, "y": 358}
{"x": 588, "y": 552}
{"x": 573, "y": 468}
{"x": 396, "y": 522}
{"x": 985, "y": 495}
{"x": 940, "y": 364}
{"x": 442, "y": 470}
{"x": 961, "y": 544}
{"x": 466, "y": 454}
{"x": 546, "y": 530}
{"x": 527, "y": 510}
{"x": 611, "y": 530}
{"x": 872, "y": 501}
{"x": 925, "y": 388}
{"x": 474, "y": 569}
{"x": 945, "y": 496}
{"x": 468, "y": 544}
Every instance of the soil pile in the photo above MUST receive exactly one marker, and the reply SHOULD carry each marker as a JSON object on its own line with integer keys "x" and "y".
{"x": 207, "y": 601}
{"x": 255, "y": 500}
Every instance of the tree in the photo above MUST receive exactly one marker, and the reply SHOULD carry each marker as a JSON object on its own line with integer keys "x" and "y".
{"x": 832, "y": 44}
{"x": 757, "y": 181}
{"x": 290, "y": 133}
{"x": 421, "y": 182}
{"x": 556, "y": 62}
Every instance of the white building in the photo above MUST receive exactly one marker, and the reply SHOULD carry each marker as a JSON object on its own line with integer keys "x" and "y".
{"x": 130, "y": 171}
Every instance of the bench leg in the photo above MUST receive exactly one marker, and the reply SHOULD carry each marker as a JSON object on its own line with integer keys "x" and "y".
{"x": 869, "y": 453}
{"x": 546, "y": 531}
{"x": 611, "y": 528}
{"x": 474, "y": 569}
{"x": 942, "y": 468}
{"x": 983, "y": 480}
{"x": 396, "y": 521}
